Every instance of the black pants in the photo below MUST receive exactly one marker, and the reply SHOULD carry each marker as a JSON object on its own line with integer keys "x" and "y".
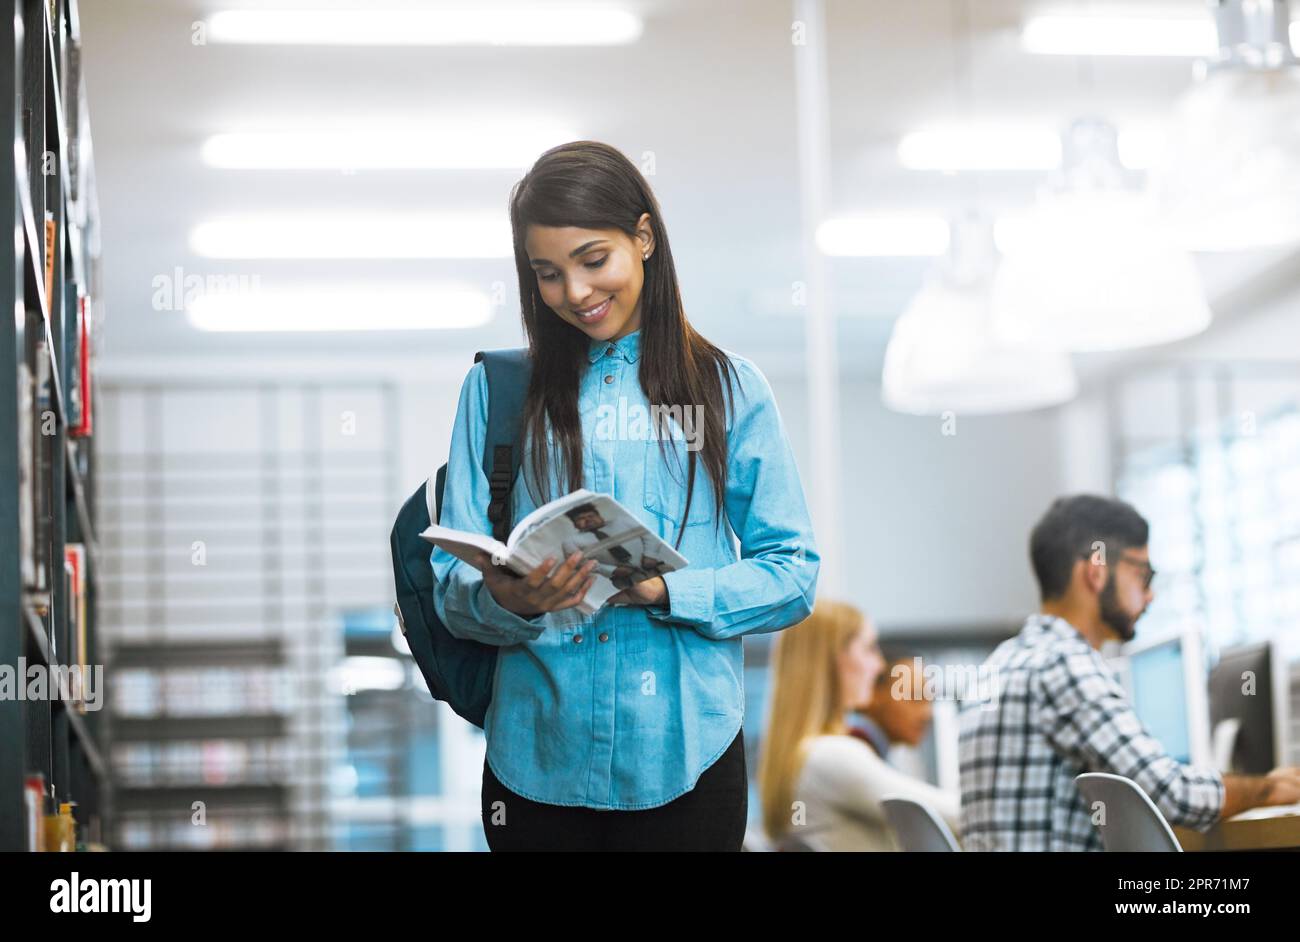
{"x": 709, "y": 817}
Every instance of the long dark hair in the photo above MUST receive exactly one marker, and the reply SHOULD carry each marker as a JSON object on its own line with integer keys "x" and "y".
{"x": 590, "y": 185}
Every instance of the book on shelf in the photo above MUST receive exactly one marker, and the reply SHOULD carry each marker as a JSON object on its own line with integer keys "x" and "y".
{"x": 74, "y": 555}
{"x": 61, "y": 829}
{"x": 50, "y": 251}
{"x": 71, "y": 375}
{"x": 78, "y": 386}
{"x": 596, "y": 525}
{"x": 84, "y": 424}
{"x": 218, "y": 761}
{"x": 26, "y": 479}
{"x": 34, "y": 810}
{"x": 261, "y": 690}
{"x": 69, "y": 576}
{"x": 42, "y": 426}
{"x": 72, "y": 98}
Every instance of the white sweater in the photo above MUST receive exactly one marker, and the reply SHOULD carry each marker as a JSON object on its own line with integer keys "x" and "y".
{"x": 841, "y": 784}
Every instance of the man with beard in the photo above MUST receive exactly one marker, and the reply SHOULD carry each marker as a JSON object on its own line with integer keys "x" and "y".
{"x": 1054, "y": 709}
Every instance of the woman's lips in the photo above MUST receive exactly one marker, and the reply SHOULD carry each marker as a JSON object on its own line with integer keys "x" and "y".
{"x": 597, "y": 315}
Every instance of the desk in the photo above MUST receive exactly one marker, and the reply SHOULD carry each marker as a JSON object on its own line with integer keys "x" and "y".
{"x": 1252, "y": 830}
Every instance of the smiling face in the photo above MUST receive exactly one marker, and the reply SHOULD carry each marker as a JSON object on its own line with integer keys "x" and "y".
{"x": 592, "y": 278}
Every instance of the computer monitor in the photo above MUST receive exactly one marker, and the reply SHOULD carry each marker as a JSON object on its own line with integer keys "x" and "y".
{"x": 1165, "y": 680}
{"x": 1249, "y": 694}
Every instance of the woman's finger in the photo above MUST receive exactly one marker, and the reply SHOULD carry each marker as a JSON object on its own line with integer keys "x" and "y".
{"x": 579, "y": 594}
{"x": 537, "y": 577}
{"x": 553, "y": 589}
{"x": 575, "y": 581}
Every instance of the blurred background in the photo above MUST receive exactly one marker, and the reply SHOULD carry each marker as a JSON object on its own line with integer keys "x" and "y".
{"x": 987, "y": 252}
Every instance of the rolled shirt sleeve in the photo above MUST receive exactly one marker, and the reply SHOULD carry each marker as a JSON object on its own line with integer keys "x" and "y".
{"x": 774, "y": 583}
{"x": 1090, "y": 718}
{"x": 461, "y": 598}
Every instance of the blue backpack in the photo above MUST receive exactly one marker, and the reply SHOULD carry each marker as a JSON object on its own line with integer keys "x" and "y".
{"x": 458, "y": 671}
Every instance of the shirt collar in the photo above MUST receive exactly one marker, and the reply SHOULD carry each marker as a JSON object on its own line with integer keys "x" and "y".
{"x": 1057, "y": 627}
{"x": 873, "y": 734}
{"x": 629, "y": 347}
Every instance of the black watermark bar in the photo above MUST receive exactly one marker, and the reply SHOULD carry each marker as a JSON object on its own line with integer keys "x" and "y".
{"x": 962, "y": 890}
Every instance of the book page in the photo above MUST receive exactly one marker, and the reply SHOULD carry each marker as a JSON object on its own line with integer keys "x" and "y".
{"x": 545, "y": 513}
{"x": 600, "y": 528}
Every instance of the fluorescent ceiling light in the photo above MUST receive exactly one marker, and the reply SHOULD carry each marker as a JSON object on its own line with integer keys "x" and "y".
{"x": 997, "y": 148}
{"x": 436, "y": 307}
{"x": 485, "y": 146}
{"x": 301, "y": 235}
{"x": 980, "y": 148}
{"x": 887, "y": 236}
{"x": 1120, "y": 36}
{"x": 538, "y": 24}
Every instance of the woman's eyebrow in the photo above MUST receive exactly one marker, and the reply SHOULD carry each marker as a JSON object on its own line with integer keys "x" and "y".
{"x": 574, "y": 254}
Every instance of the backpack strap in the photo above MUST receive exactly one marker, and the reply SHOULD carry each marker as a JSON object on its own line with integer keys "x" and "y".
{"x": 508, "y": 372}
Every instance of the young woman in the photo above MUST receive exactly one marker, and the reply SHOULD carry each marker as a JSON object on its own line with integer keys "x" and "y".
{"x": 821, "y": 785}
{"x": 622, "y": 730}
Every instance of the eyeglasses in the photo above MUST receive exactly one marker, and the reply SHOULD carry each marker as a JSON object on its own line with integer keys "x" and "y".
{"x": 1148, "y": 574}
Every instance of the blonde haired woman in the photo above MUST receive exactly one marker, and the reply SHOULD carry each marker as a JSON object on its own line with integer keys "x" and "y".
{"x": 821, "y": 786}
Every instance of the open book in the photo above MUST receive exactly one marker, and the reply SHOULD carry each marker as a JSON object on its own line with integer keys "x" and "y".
{"x": 595, "y": 524}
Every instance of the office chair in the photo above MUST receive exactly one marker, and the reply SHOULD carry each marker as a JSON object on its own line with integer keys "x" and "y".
{"x": 800, "y": 842}
{"x": 918, "y": 827}
{"x": 1131, "y": 821}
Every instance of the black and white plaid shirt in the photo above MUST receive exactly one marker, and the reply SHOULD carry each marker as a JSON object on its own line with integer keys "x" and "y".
{"x": 1054, "y": 710}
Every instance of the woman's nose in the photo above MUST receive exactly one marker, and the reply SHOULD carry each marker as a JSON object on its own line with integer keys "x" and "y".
{"x": 579, "y": 295}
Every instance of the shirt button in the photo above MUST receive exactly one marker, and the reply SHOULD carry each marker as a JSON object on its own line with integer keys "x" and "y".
{"x": 577, "y": 639}
{"x": 609, "y": 379}
{"x": 604, "y": 636}
{"x": 610, "y": 352}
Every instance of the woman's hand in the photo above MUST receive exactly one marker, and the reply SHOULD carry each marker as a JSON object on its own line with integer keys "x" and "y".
{"x": 534, "y": 593}
{"x": 648, "y": 592}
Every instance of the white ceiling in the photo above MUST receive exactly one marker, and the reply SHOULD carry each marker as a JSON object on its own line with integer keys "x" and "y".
{"x": 708, "y": 89}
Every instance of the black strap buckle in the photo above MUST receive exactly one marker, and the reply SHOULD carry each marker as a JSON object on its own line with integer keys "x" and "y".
{"x": 499, "y": 484}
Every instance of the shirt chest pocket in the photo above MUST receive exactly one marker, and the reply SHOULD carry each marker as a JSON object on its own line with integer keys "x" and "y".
{"x": 665, "y": 486}
{"x": 571, "y": 633}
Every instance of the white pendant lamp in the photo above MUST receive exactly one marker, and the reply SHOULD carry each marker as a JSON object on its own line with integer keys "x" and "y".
{"x": 942, "y": 355}
{"x": 1231, "y": 178}
{"x": 1091, "y": 269}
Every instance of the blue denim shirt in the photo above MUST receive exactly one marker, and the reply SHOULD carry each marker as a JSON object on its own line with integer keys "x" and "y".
{"x": 625, "y": 708}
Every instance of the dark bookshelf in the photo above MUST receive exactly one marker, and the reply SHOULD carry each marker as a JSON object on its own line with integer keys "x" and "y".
{"x": 50, "y": 180}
